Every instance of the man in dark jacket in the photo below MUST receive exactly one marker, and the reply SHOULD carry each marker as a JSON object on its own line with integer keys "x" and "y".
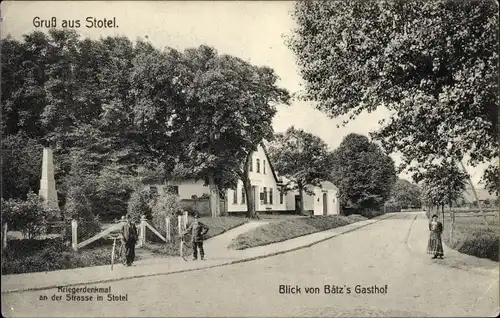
{"x": 129, "y": 239}
{"x": 197, "y": 231}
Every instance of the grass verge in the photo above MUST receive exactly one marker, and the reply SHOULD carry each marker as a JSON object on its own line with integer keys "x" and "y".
{"x": 473, "y": 237}
{"x": 289, "y": 229}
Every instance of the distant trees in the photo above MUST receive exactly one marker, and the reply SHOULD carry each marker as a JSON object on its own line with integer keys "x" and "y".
{"x": 364, "y": 174}
{"x": 440, "y": 85}
{"x": 302, "y": 158}
{"x": 406, "y": 194}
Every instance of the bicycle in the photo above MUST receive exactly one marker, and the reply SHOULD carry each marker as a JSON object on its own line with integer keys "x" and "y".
{"x": 116, "y": 253}
{"x": 185, "y": 248}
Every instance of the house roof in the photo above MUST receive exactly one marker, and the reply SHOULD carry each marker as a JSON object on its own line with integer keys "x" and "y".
{"x": 270, "y": 164}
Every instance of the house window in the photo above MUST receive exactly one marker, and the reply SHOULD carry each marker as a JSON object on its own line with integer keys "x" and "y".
{"x": 251, "y": 164}
{"x": 264, "y": 166}
{"x": 235, "y": 196}
{"x": 281, "y": 196}
{"x": 243, "y": 195}
{"x": 271, "y": 196}
{"x": 265, "y": 195}
{"x": 258, "y": 166}
{"x": 153, "y": 190}
{"x": 173, "y": 189}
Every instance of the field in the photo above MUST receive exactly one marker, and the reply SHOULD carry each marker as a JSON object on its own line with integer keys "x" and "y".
{"x": 472, "y": 236}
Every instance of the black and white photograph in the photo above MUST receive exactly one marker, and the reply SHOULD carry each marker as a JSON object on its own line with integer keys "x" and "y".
{"x": 250, "y": 158}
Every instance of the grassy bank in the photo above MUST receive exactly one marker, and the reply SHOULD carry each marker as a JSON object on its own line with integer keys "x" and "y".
{"x": 472, "y": 236}
{"x": 288, "y": 229}
{"x": 24, "y": 256}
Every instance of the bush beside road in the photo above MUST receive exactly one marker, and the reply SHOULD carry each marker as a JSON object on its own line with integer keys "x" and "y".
{"x": 289, "y": 229}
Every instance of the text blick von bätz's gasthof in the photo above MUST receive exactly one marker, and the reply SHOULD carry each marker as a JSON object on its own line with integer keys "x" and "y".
{"x": 333, "y": 289}
{"x": 87, "y": 22}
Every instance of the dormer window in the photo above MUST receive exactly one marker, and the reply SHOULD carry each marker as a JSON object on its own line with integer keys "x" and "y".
{"x": 258, "y": 166}
{"x": 264, "y": 166}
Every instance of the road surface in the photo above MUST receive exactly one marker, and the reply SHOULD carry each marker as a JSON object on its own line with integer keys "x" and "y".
{"x": 377, "y": 254}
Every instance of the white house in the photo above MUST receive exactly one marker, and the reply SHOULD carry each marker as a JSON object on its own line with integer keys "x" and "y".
{"x": 267, "y": 191}
{"x": 264, "y": 182}
{"x": 324, "y": 200}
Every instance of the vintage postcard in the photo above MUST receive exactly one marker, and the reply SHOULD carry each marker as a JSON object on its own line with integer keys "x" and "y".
{"x": 250, "y": 158}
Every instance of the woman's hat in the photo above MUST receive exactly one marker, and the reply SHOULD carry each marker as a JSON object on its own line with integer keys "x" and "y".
{"x": 435, "y": 215}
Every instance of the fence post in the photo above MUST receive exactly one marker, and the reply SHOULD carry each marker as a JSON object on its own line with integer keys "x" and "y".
{"x": 142, "y": 236}
{"x": 74, "y": 235}
{"x": 5, "y": 229}
{"x": 167, "y": 227}
{"x": 184, "y": 225}
{"x": 179, "y": 225}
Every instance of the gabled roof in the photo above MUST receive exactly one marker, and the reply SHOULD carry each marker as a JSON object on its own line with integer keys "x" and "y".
{"x": 270, "y": 164}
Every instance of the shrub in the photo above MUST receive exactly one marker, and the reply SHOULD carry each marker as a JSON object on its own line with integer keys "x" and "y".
{"x": 79, "y": 206}
{"x": 370, "y": 213}
{"x": 79, "y": 198}
{"x": 166, "y": 204}
{"x": 112, "y": 193}
{"x": 30, "y": 216}
{"x": 139, "y": 204}
{"x": 26, "y": 256}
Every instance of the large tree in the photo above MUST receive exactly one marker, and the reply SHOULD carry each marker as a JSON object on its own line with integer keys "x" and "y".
{"x": 439, "y": 81}
{"x": 228, "y": 109}
{"x": 302, "y": 158}
{"x": 364, "y": 174}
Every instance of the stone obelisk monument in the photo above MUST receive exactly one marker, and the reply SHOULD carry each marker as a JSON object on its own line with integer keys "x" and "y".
{"x": 48, "y": 183}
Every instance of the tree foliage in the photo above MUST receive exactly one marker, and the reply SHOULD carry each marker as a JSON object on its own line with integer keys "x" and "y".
{"x": 364, "y": 174}
{"x": 301, "y": 157}
{"x": 433, "y": 64}
{"x": 119, "y": 107}
{"x": 443, "y": 183}
{"x": 229, "y": 105}
{"x": 28, "y": 216}
{"x": 406, "y": 194}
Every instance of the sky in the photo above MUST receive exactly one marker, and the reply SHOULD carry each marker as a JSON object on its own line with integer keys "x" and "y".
{"x": 251, "y": 30}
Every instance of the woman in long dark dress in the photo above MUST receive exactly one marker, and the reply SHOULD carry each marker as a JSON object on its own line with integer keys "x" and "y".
{"x": 435, "y": 246}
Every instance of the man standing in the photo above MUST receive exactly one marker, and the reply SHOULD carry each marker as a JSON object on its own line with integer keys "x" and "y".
{"x": 129, "y": 239}
{"x": 197, "y": 230}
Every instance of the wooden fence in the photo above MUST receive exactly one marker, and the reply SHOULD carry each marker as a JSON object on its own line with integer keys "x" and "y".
{"x": 143, "y": 226}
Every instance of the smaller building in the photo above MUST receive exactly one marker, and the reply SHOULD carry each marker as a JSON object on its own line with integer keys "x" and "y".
{"x": 324, "y": 199}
